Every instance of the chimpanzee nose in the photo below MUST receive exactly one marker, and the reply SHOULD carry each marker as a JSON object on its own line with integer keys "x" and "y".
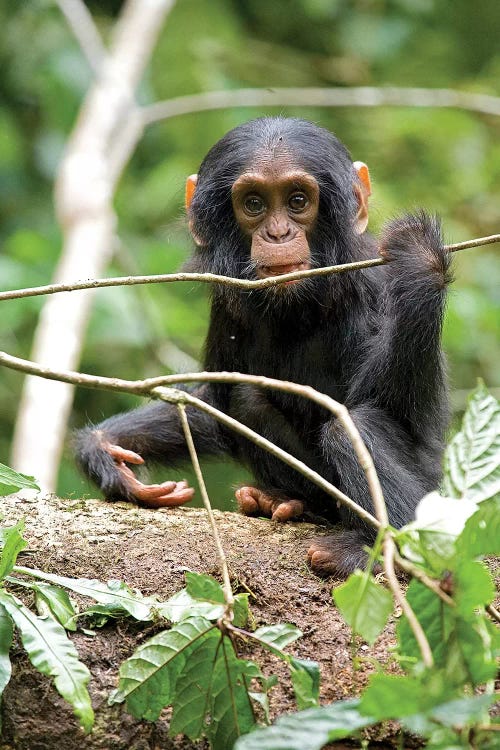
{"x": 279, "y": 232}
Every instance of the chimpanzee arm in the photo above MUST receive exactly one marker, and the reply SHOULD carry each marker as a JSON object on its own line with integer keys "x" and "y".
{"x": 150, "y": 433}
{"x": 403, "y": 367}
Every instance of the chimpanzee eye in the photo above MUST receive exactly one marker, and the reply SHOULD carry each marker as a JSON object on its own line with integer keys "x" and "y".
{"x": 297, "y": 201}
{"x": 253, "y": 205}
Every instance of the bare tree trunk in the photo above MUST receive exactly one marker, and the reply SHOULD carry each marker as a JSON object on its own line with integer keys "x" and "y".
{"x": 107, "y": 130}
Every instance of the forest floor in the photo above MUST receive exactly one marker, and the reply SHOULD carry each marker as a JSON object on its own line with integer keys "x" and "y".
{"x": 150, "y": 551}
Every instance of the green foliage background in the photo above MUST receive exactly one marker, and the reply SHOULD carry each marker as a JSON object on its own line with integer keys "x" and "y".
{"x": 446, "y": 161}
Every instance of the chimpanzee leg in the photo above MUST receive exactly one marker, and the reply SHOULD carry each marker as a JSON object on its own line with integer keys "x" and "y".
{"x": 404, "y": 482}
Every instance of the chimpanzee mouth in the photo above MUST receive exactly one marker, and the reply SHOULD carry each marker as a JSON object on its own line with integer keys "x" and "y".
{"x": 266, "y": 272}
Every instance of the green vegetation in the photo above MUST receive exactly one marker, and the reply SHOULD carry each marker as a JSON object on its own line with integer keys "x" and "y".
{"x": 194, "y": 665}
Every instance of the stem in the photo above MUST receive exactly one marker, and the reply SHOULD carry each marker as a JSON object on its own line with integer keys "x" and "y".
{"x": 228, "y": 592}
{"x": 493, "y": 612}
{"x": 150, "y": 387}
{"x": 353, "y": 96}
{"x": 389, "y": 547}
{"x": 174, "y": 396}
{"x": 224, "y": 280}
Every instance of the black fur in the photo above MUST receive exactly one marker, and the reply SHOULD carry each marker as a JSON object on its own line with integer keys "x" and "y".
{"x": 370, "y": 339}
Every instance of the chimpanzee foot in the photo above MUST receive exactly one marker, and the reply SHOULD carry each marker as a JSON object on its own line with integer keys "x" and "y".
{"x": 252, "y": 502}
{"x": 338, "y": 554}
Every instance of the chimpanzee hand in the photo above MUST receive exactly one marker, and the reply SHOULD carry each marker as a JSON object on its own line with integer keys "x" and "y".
{"x": 415, "y": 241}
{"x": 252, "y": 501}
{"x": 162, "y": 495}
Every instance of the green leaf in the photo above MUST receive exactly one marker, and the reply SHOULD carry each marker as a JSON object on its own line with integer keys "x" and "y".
{"x": 241, "y": 610}
{"x": 308, "y": 730}
{"x": 53, "y": 654}
{"x": 436, "y": 619}
{"x": 113, "y": 593}
{"x": 193, "y": 689}
{"x": 473, "y": 587}
{"x": 182, "y": 605}
{"x": 148, "y": 677}
{"x": 305, "y": 680}
{"x": 461, "y": 646}
{"x": 57, "y": 603}
{"x": 13, "y": 543}
{"x": 11, "y": 481}
{"x": 211, "y": 693}
{"x": 6, "y": 633}
{"x": 201, "y": 586}
{"x": 472, "y": 459}
{"x": 393, "y": 696}
{"x": 481, "y": 534}
{"x": 231, "y": 709}
{"x": 420, "y": 703}
{"x": 277, "y": 637}
{"x": 463, "y": 711}
{"x": 364, "y": 605}
{"x": 470, "y": 656}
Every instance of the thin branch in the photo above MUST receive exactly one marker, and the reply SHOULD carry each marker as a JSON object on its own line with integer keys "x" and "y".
{"x": 356, "y": 96}
{"x": 493, "y": 612}
{"x": 389, "y": 548}
{"x": 150, "y": 388}
{"x": 212, "y": 278}
{"x": 83, "y": 27}
{"x": 228, "y": 592}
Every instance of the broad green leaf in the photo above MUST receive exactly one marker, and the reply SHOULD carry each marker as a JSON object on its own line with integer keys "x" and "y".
{"x": 481, "y": 535}
{"x": 436, "y": 619}
{"x": 6, "y": 632}
{"x": 148, "y": 677}
{"x": 193, "y": 688}
{"x": 241, "y": 610}
{"x": 11, "y": 481}
{"x": 473, "y": 587}
{"x": 462, "y": 648}
{"x": 305, "y": 680}
{"x": 393, "y": 696}
{"x": 457, "y": 713}
{"x": 472, "y": 459}
{"x": 231, "y": 708}
{"x": 364, "y": 604}
{"x": 308, "y": 730}
{"x": 58, "y": 604}
{"x": 202, "y": 586}
{"x": 463, "y": 711}
{"x": 419, "y": 703}
{"x": 211, "y": 693}
{"x": 53, "y": 654}
{"x": 277, "y": 637}
{"x": 470, "y": 657}
{"x": 13, "y": 543}
{"x": 182, "y": 605}
{"x": 113, "y": 592}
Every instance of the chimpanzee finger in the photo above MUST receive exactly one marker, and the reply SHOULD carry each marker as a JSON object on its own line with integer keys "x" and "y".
{"x": 172, "y": 499}
{"x": 285, "y": 510}
{"x": 122, "y": 454}
{"x": 247, "y": 500}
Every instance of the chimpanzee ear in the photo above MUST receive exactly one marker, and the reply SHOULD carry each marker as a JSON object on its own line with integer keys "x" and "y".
{"x": 363, "y": 190}
{"x": 190, "y": 188}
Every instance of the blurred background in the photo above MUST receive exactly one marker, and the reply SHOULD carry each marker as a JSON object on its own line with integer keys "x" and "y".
{"x": 447, "y": 161}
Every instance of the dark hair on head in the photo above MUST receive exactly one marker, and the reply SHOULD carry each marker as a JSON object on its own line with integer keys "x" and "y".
{"x": 312, "y": 148}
